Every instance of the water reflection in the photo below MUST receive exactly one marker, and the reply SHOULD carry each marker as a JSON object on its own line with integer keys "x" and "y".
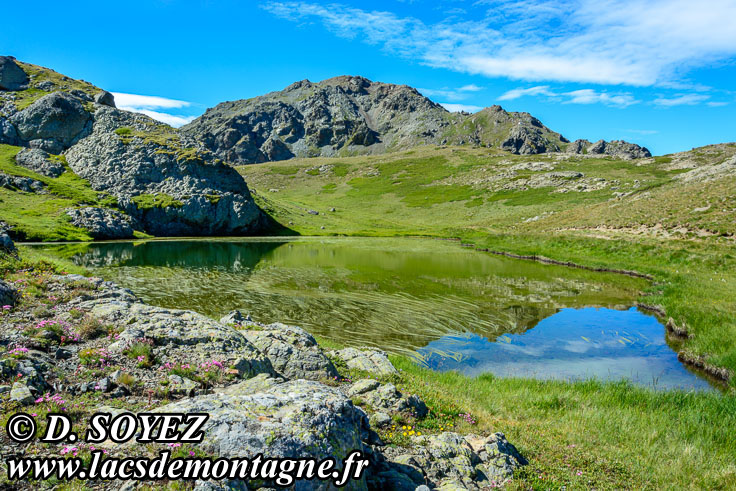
{"x": 402, "y": 295}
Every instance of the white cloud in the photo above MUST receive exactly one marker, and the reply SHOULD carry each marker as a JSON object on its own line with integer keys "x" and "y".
{"x": 148, "y": 105}
{"x": 582, "y": 96}
{"x": 681, "y": 100}
{"x": 717, "y": 104}
{"x": 457, "y": 94}
{"x": 632, "y": 42}
{"x": 519, "y": 92}
{"x": 460, "y": 107}
{"x": 590, "y": 96}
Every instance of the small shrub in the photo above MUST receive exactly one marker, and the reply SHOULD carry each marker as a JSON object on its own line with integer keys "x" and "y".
{"x": 90, "y": 328}
{"x": 93, "y": 356}
{"x": 76, "y": 314}
{"x": 142, "y": 352}
{"x": 127, "y": 380}
{"x": 124, "y": 131}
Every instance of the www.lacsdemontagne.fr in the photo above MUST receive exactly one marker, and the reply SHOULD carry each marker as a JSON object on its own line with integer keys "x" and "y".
{"x": 282, "y": 471}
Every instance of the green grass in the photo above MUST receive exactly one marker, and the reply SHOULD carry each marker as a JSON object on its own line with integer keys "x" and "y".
{"x": 161, "y": 200}
{"x": 475, "y": 195}
{"x": 41, "y": 217}
{"x": 617, "y": 435}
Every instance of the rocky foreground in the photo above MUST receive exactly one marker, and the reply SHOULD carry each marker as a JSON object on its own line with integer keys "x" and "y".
{"x": 80, "y": 345}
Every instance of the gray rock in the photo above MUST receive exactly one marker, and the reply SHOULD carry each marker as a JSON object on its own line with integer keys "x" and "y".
{"x": 101, "y": 223}
{"x": 39, "y": 161}
{"x": 386, "y": 397}
{"x": 105, "y": 98}
{"x": 297, "y": 419}
{"x": 62, "y": 354}
{"x": 104, "y": 384}
{"x": 12, "y": 77}
{"x": 293, "y": 352}
{"x": 6, "y": 243}
{"x": 617, "y": 148}
{"x": 21, "y": 393}
{"x": 4, "y": 389}
{"x": 179, "y": 334}
{"x": 8, "y": 294}
{"x": 379, "y": 420}
{"x": 259, "y": 383}
{"x": 59, "y": 117}
{"x": 235, "y": 317}
{"x": 368, "y": 360}
{"x": 25, "y": 184}
{"x": 46, "y": 85}
{"x": 205, "y": 196}
{"x": 182, "y": 385}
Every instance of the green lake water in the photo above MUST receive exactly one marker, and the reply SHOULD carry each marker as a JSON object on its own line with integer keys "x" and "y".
{"x": 448, "y": 306}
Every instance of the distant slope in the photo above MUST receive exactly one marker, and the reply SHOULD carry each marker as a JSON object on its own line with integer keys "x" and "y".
{"x": 345, "y": 116}
{"x": 441, "y": 191}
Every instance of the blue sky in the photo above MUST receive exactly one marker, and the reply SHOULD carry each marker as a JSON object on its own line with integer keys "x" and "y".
{"x": 660, "y": 73}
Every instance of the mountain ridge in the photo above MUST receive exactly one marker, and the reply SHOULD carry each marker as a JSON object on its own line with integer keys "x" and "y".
{"x": 352, "y": 115}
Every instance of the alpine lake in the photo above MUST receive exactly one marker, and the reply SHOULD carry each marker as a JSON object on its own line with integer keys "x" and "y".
{"x": 448, "y": 307}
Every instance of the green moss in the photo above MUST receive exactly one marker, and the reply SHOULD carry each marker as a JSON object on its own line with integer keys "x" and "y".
{"x": 161, "y": 200}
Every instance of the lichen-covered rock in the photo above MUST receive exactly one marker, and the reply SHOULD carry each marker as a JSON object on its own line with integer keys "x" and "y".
{"x": 21, "y": 394}
{"x": 387, "y": 397}
{"x": 39, "y": 161}
{"x": 259, "y": 383}
{"x": 448, "y": 461}
{"x": 295, "y": 419}
{"x": 370, "y": 360}
{"x": 101, "y": 223}
{"x": 178, "y": 335}
{"x": 162, "y": 182}
{"x": 58, "y": 119}
{"x": 235, "y": 317}
{"x": 293, "y": 352}
{"x": 12, "y": 77}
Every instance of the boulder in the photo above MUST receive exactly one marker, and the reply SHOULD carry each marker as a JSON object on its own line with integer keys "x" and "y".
{"x": 293, "y": 352}
{"x": 25, "y": 184}
{"x": 12, "y": 77}
{"x": 57, "y": 118}
{"x": 177, "y": 335}
{"x": 105, "y": 98}
{"x": 448, "y": 461}
{"x": 370, "y": 360}
{"x": 22, "y": 394}
{"x": 101, "y": 223}
{"x": 8, "y": 294}
{"x": 386, "y": 397}
{"x": 6, "y": 243}
{"x": 40, "y": 162}
{"x": 296, "y": 419}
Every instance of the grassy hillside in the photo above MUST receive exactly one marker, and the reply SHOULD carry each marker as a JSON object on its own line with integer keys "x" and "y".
{"x": 40, "y": 216}
{"x": 670, "y": 217}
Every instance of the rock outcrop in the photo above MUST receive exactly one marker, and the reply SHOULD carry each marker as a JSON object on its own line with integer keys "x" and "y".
{"x": 40, "y": 162}
{"x": 12, "y": 77}
{"x": 105, "y": 98}
{"x": 293, "y": 352}
{"x": 617, "y": 148}
{"x": 355, "y": 115}
{"x": 367, "y": 360}
{"x": 102, "y": 223}
{"x": 52, "y": 123}
{"x": 166, "y": 186}
{"x": 8, "y": 294}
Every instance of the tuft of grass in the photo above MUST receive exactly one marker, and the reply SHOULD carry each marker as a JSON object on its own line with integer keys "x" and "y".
{"x": 161, "y": 200}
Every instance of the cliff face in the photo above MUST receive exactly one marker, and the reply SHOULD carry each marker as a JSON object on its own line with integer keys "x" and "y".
{"x": 152, "y": 179}
{"x": 353, "y": 115}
